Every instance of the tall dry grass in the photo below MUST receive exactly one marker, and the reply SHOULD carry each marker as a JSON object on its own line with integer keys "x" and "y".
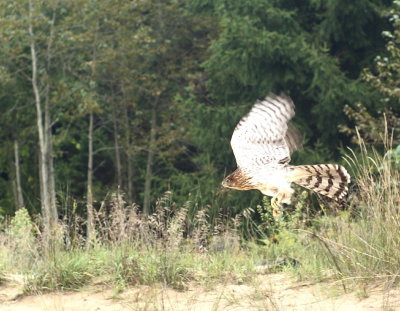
{"x": 358, "y": 244}
{"x": 129, "y": 248}
{"x": 362, "y": 244}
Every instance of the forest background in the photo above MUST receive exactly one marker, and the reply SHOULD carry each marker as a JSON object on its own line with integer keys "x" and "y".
{"x": 142, "y": 96}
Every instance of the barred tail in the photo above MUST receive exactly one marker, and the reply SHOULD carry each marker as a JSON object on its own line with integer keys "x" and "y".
{"x": 327, "y": 179}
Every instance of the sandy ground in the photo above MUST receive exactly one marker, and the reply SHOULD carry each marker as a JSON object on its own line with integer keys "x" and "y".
{"x": 267, "y": 292}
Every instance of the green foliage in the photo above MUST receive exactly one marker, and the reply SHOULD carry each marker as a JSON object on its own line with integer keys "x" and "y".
{"x": 199, "y": 65}
{"x": 148, "y": 266}
{"x": 384, "y": 77}
{"x": 266, "y": 46}
{"x": 295, "y": 216}
{"x": 394, "y": 155}
{"x": 21, "y": 227}
{"x": 303, "y": 49}
{"x": 65, "y": 271}
{"x": 170, "y": 247}
{"x": 21, "y": 242}
{"x": 357, "y": 246}
{"x": 387, "y": 68}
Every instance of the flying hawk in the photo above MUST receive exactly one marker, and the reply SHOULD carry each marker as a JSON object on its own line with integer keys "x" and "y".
{"x": 262, "y": 143}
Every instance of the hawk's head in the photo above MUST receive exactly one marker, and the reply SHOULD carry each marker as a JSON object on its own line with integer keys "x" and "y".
{"x": 237, "y": 180}
{"x": 228, "y": 182}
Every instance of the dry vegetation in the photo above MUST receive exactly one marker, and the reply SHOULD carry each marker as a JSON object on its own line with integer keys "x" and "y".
{"x": 358, "y": 246}
{"x": 178, "y": 245}
{"x": 130, "y": 248}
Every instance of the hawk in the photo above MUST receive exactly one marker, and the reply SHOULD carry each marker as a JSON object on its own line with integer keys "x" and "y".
{"x": 262, "y": 143}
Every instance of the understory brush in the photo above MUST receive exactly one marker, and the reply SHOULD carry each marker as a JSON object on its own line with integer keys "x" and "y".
{"x": 355, "y": 244}
{"x": 129, "y": 248}
{"x": 365, "y": 240}
{"x": 358, "y": 244}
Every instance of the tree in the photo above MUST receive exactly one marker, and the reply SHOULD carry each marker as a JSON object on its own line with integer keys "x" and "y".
{"x": 142, "y": 96}
{"x": 148, "y": 59}
{"x": 26, "y": 28}
{"x": 14, "y": 133}
{"x": 302, "y": 48}
{"x": 384, "y": 77}
{"x": 47, "y": 186}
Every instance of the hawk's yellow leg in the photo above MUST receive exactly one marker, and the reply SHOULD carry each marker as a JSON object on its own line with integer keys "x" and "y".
{"x": 276, "y": 207}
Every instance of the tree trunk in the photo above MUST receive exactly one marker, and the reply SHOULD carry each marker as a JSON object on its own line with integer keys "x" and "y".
{"x": 153, "y": 125}
{"x": 129, "y": 157}
{"x": 48, "y": 210}
{"x": 48, "y": 126}
{"x": 91, "y": 234}
{"x": 150, "y": 159}
{"x": 90, "y": 230}
{"x": 19, "y": 199}
{"x": 116, "y": 147}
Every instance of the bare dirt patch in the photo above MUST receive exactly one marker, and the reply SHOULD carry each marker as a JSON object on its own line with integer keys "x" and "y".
{"x": 266, "y": 292}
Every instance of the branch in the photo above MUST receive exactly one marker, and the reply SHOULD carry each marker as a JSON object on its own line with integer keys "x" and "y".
{"x": 104, "y": 148}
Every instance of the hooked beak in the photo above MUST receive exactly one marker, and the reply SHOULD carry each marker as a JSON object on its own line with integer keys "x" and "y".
{"x": 224, "y": 187}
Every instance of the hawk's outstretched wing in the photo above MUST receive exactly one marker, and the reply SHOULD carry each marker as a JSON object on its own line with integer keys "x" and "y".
{"x": 263, "y": 137}
{"x": 262, "y": 143}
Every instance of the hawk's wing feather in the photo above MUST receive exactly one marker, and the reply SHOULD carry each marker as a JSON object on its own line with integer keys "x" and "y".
{"x": 293, "y": 138}
{"x": 262, "y": 137}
